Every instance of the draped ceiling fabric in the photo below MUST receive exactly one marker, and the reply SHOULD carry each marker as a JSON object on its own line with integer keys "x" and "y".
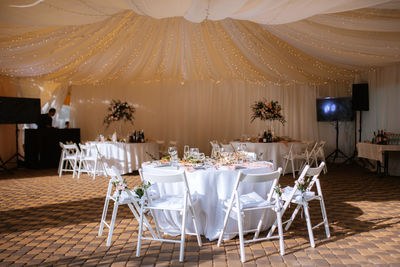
{"x": 166, "y": 51}
{"x": 296, "y": 41}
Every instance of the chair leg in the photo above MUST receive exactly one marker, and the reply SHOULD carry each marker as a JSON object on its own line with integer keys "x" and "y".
{"x": 228, "y": 212}
{"x": 182, "y": 248}
{"x": 79, "y": 168}
{"x": 74, "y": 167}
{"x": 284, "y": 168}
{"x": 309, "y": 225}
{"x": 241, "y": 241}
{"x": 294, "y": 173}
{"x": 280, "y": 231}
{"x": 95, "y": 170}
{"x": 139, "y": 242}
{"x": 260, "y": 224}
{"x": 114, "y": 215}
{"x": 61, "y": 169}
{"x": 146, "y": 222}
{"x": 325, "y": 218}
{"x": 60, "y": 164}
{"x": 196, "y": 227}
{"x": 104, "y": 215}
{"x": 289, "y": 223}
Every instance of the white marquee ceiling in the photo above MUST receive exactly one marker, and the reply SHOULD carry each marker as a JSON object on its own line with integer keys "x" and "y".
{"x": 301, "y": 41}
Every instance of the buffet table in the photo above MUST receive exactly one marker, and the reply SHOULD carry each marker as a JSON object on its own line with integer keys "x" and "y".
{"x": 379, "y": 153}
{"x": 126, "y": 157}
{"x": 273, "y": 152}
{"x": 211, "y": 187}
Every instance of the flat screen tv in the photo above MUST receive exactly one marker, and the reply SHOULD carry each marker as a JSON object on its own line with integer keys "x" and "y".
{"x": 334, "y": 109}
{"x": 14, "y": 110}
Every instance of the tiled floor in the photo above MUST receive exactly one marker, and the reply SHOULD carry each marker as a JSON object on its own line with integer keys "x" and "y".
{"x": 46, "y": 220}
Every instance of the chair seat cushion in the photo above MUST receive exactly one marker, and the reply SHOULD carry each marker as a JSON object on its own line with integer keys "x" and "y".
{"x": 168, "y": 202}
{"x": 252, "y": 200}
{"x": 298, "y": 196}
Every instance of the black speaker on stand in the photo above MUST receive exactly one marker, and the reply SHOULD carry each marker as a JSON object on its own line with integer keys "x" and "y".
{"x": 18, "y": 110}
{"x": 360, "y": 102}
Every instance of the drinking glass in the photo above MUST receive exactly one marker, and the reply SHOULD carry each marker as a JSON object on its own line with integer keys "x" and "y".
{"x": 202, "y": 156}
{"x": 186, "y": 151}
{"x": 194, "y": 152}
{"x": 217, "y": 152}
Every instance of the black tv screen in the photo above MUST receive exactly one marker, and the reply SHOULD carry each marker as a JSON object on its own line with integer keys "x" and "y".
{"x": 334, "y": 109}
{"x": 14, "y": 110}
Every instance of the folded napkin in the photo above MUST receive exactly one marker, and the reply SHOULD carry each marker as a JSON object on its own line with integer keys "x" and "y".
{"x": 258, "y": 164}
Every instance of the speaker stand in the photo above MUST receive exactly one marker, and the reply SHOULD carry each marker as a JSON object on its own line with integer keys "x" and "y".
{"x": 355, "y": 153}
{"x": 19, "y": 158}
{"x": 337, "y": 153}
{"x": 2, "y": 164}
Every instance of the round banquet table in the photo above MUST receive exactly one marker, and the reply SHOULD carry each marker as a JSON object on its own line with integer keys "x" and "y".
{"x": 126, "y": 157}
{"x": 210, "y": 188}
{"x": 273, "y": 151}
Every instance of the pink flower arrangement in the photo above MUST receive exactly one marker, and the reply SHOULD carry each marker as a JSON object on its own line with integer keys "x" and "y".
{"x": 119, "y": 111}
{"x": 267, "y": 111}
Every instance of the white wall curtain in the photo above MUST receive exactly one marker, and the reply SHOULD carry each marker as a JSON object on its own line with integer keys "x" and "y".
{"x": 194, "y": 113}
{"x": 384, "y": 99}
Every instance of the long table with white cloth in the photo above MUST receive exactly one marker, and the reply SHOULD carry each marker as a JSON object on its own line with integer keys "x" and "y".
{"x": 210, "y": 188}
{"x": 380, "y": 153}
{"x": 273, "y": 152}
{"x": 127, "y": 157}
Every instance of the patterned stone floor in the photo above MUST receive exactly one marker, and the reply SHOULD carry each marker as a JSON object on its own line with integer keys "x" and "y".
{"x": 46, "y": 220}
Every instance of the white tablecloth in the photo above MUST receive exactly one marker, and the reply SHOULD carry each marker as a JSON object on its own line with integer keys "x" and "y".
{"x": 273, "y": 152}
{"x": 211, "y": 188}
{"x": 127, "y": 157}
{"x": 376, "y": 152}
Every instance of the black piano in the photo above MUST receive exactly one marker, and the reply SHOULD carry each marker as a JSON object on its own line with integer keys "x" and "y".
{"x": 42, "y": 149}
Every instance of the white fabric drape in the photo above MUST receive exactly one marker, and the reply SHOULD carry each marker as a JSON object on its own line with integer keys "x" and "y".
{"x": 76, "y": 12}
{"x": 196, "y": 112}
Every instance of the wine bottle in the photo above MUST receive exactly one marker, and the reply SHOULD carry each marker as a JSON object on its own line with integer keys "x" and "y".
{"x": 379, "y": 137}
{"x": 384, "y": 138}
{"x": 134, "y": 136}
{"x": 142, "y": 136}
{"x": 265, "y": 136}
{"x": 374, "y": 138}
{"x": 269, "y": 136}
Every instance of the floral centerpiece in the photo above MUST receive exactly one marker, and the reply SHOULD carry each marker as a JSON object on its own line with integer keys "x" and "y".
{"x": 119, "y": 110}
{"x": 265, "y": 110}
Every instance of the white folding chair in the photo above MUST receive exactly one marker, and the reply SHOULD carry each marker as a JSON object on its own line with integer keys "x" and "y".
{"x": 179, "y": 203}
{"x": 319, "y": 155}
{"x": 295, "y": 196}
{"x": 127, "y": 197}
{"x": 90, "y": 161}
{"x": 252, "y": 201}
{"x": 69, "y": 159}
{"x": 305, "y": 157}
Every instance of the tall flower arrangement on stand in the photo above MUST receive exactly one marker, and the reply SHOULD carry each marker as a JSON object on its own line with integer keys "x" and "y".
{"x": 267, "y": 111}
{"x": 119, "y": 110}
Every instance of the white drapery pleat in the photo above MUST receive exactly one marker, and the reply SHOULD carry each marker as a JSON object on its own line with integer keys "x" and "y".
{"x": 196, "y": 112}
{"x": 76, "y": 12}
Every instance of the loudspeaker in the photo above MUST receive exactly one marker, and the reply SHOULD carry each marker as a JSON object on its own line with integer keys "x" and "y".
{"x": 360, "y": 97}
{"x": 19, "y": 110}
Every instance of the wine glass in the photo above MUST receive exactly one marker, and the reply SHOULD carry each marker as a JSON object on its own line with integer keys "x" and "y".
{"x": 173, "y": 152}
{"x": 186, "y": 151}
